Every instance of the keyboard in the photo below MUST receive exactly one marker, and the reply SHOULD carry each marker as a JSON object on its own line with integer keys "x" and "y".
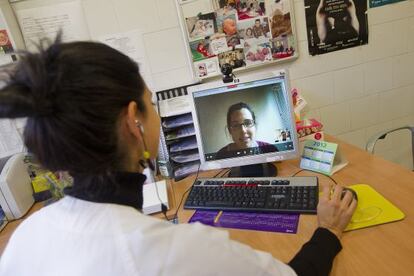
{"x": 258, "y": 194}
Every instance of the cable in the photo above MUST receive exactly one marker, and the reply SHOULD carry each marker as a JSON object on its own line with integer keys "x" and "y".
{"x": 225, "y": 172}
{"x": 333, "y": 180}
{"x": 175, "y": 218}
{"x": 297, "y": 172}
{"x": 222, "y": 171}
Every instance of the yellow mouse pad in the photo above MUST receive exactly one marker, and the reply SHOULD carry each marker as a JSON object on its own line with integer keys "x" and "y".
{"x": 372, "y": 209}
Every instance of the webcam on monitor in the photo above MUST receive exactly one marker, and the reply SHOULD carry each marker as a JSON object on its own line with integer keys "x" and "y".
{"x": 227, "y": 71}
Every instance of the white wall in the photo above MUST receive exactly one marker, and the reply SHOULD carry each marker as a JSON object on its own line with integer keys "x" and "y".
{"x": 354, "y": 92}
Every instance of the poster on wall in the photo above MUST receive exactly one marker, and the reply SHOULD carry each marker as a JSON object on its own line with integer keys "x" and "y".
{"x": 335, "y": 24}
{"x": 379, "y": 3}
{"x": 242, "y": 33}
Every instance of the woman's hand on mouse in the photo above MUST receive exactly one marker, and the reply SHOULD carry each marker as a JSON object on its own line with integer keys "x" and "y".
{"x": 335, "y": 213}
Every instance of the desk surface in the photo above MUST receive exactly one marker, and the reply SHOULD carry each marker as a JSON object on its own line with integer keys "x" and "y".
{"x": 386, "y": 249}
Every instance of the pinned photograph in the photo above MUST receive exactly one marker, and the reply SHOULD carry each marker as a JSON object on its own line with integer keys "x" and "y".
{"x": 233, "y": 41}
{"x": 235, "y": 58}
{"x": 206, "y": 68}
{"x": 283, "y": 47}
{"x": 247, "y": 9}
{"x": 226, "y": 18}
{"x": 277, "y": 7}
{"x": 201, "y": 26}
{"x": 257, "y": 52}
{"x": 254, "y": 28}
{"x": 200, "y": 49}
{"x": 218, "y": 44}
{"x": 5, "y": 42}
{"x": 280, "y": 19}
{"x": 218, "y": 4}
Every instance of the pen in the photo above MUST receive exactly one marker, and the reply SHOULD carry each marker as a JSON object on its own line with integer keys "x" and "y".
{"x": 218, "y": 217}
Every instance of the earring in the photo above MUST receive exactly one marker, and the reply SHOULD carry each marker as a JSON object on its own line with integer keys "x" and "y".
{"x": 146, "y": 154}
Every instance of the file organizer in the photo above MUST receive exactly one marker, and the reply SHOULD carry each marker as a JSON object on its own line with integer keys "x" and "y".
{"x": 178, "y": 145}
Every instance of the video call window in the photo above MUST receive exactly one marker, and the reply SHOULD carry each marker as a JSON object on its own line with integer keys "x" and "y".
{"x": 244, "y": 119}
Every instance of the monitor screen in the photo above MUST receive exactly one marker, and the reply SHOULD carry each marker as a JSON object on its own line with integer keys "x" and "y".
{"x": 244, "y": 123}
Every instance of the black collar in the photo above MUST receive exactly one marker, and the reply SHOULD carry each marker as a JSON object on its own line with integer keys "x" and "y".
{"x": 123, "y": 188}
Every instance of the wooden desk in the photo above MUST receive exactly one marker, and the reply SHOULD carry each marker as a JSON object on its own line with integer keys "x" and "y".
{"x": 381, "y": 250}
{"x": 386, "y": 249}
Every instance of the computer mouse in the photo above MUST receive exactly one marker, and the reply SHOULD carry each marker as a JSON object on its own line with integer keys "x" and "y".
{"x": 354, "y": 194}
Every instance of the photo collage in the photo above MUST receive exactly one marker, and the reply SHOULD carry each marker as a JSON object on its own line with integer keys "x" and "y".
{"x": 241, "y": 33}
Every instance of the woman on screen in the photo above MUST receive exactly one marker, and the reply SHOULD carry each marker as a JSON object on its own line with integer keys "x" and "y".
{"x": 241, "y": 124}
{"x": 90, "y": 113}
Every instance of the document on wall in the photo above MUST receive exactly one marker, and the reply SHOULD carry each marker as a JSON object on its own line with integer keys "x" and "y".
{"x": 10, "y": 140}
{"x": 131, "y": 44}
{"x": 46, "y": 21}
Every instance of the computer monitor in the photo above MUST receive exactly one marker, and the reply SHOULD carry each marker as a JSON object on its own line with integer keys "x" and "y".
{"x": 245, "y": 125}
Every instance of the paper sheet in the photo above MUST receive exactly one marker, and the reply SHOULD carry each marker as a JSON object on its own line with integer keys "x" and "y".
{"x": 46, "y": 21}
{"x": 131, "y": 44}
{"x": 10, "y": 140}
{"x": 175, "y": 106}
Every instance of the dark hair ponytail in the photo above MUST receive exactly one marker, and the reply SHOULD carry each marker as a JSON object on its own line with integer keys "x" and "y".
{"x": 72, "y": 94}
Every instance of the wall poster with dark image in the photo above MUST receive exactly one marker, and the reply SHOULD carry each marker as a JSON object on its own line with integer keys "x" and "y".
{"x": 335, "y": 24}
{"x": 242, "y": 33}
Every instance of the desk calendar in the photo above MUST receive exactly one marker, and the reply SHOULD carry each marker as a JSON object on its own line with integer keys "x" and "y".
{"x": 322, "y": 156}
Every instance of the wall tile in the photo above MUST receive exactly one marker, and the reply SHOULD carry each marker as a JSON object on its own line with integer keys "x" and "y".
{"x": 401, "y": 31}
{"x": 378, "y": 76}
{"x": 167, "y": 14}
{"x": 164, "y": 51}
{"x": 312, "y": 114}
{"x": 403, "y": 70}
{"x": 300, "y": 21}
{"x": 356, "y": 138}
{"x": 410, "y": 33}
{"x": 395, "y": 104}
{"x": 383, "y": 144}
{"x": 390, "y": 12}
{"x": 348, "y": 83}
{"x": 317, "y": 90}
{"x": 381, "y": 42}
{"x": 132, "y": 14}
{"x": 343, "y": 58}
{"x": 306, "y": 65}
{"x": 364, "y": 112}
{"x": 171, "y": 78}
{"x": 335, "y": 118}
{"x": 95, "y": 11}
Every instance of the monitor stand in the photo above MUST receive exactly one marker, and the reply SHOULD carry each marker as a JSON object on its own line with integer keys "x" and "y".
{"x": 256, "y": 170}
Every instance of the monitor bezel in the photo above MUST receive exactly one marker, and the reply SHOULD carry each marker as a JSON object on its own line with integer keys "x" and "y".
{"x": 247, "y": 159}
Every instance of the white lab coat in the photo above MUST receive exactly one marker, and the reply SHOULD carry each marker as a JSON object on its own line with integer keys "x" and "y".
{"x": 77, "y": 237}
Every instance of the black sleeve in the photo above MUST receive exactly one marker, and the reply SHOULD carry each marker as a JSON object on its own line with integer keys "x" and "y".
{"x": 316, "y": 256}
